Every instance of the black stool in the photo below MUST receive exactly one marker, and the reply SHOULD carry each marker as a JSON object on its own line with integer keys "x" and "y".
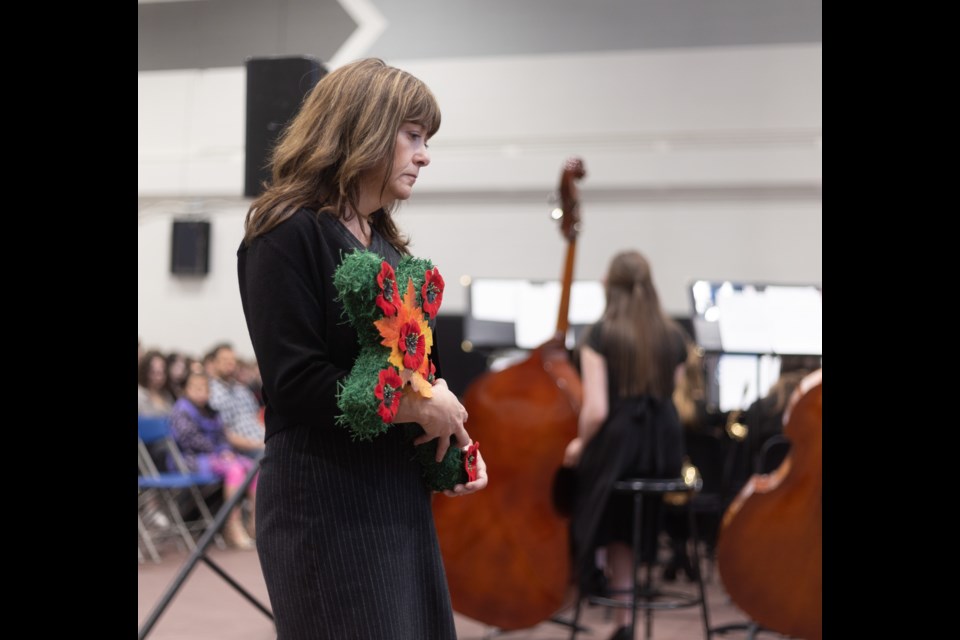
{"x": 647, "y": 596}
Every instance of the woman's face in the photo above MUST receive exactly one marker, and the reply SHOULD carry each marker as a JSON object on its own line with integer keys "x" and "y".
{"x": 410, "y": 156}
{"x": 197, "y": 390}
{"x": 225, "y": 364}
{"x": 157, "y": 376}
{"x": 177, "y": 369}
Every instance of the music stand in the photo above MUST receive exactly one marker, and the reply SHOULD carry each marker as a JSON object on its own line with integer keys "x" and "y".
{"x": 513, "y": 313}
{"x": 757, "y": 318}
{"x": 200, "y": 554}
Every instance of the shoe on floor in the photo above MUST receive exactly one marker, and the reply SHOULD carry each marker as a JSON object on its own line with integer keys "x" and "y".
{"x": 236, "y": 536}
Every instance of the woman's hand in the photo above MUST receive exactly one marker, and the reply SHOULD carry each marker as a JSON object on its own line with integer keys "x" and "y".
{"x": 441, "y": 416}
{"x": 474, "y": 486}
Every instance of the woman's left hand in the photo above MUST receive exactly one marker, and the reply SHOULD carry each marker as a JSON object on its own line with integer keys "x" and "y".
{"x": 475, "y": 485}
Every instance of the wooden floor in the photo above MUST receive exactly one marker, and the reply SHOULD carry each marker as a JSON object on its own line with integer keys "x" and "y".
{"x": 207, "y": 608}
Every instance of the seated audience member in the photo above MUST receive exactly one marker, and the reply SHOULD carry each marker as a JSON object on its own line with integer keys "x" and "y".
{"x": 153, "y": 399}
{"x": 236, "y": 404}
{"x": 200, "y": 436}
{"x": 207, "y": 365}
{"x": 248, "y": 372}
{"x": 178, "y": 365}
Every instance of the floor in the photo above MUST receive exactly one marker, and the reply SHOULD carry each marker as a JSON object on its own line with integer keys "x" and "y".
{"x": 206, "y": 607}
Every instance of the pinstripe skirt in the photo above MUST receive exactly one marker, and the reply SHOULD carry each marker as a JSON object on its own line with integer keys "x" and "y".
{"x": 346, "y": 539}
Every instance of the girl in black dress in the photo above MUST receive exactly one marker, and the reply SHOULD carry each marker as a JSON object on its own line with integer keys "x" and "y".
{"x": 628, "y": 426}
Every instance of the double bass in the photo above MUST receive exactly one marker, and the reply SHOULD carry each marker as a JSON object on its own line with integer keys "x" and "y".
{"x": 506, "y": 548}
{"x": 770, "y": 546}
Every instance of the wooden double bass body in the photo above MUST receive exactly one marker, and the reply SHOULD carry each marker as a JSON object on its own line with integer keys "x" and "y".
{"x": 506, "y": 549}
{"x": 770, "y": 547}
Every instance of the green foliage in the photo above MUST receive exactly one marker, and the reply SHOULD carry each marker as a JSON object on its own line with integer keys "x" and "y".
{"x": 356, "y": 283}
{"x": 442, "y": 475}
{"x": 412, "y": 268}
{"x": 355, "y": 396}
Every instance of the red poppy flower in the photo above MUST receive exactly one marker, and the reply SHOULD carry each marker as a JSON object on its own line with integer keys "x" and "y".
{"x": 388, "y": 392}
{"x": 389, "y": 297}
{"x": 432, "y": 292}
{"x": 470, "y": 461}
{"x": 433, "y": 372}
{"x": 411, "y": 345}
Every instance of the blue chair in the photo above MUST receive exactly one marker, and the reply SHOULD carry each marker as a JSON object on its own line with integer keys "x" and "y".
{"x": 154, "y": 432}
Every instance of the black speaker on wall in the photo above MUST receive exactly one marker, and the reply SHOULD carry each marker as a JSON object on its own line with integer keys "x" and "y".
{"x": 190, "y": 248}
{"x": 275, "y": 90}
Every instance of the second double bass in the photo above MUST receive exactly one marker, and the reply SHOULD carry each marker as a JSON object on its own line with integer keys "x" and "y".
{"x": 770, "y": 548}
{"x": 506, "y": 548}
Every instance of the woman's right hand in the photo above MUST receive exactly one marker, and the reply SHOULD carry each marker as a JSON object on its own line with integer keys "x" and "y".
{"x": 441, "y": 416}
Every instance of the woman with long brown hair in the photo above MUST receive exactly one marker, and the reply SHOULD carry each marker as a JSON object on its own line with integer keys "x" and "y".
{"x": 628, "y": 425}
{"x": 345, "y": 530}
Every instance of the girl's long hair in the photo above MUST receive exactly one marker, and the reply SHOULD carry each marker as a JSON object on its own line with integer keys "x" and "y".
{"x": 636, "y": 335}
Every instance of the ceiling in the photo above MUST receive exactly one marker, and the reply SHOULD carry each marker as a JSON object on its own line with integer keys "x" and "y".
{"x": 198, "y": 34}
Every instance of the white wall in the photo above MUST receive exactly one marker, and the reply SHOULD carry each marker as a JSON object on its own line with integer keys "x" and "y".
{"x": 707, "y": 160}
{"x": 190, "y": 313}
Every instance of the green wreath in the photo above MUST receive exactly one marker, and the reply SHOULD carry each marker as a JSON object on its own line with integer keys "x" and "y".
{"x": 396, "y": 344}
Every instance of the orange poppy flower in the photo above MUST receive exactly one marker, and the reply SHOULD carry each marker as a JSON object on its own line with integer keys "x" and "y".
{"x": 410, "y": 340}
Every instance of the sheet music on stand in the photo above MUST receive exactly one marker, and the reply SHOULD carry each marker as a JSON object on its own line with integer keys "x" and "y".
{"x": 517, "y": 313}
{"x": 749, "y": 326}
